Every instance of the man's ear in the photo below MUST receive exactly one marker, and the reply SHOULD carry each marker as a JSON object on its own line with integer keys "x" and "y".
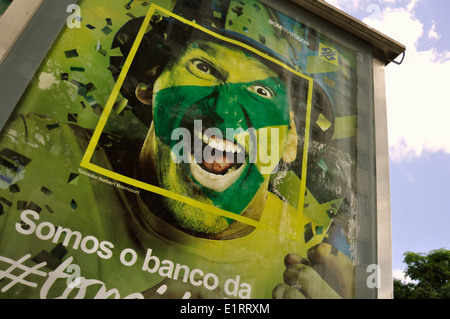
{"x": 144, "y": 93}
{"x": 290, "y": 153}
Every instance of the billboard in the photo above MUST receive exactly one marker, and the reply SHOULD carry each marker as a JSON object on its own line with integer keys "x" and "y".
{"x": 187, "y": 149}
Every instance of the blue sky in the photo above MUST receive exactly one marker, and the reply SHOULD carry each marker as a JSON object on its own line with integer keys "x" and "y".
{"x": 418, "y": 106}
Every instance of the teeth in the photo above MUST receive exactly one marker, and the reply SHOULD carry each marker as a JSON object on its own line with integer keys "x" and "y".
{"x": 200, "y": 135}
{"x": 213, "y": 143}
{"x": 204, "y": 138}
{"x": 217, "y": 182}
{"x": 213, "y": 181}
{"x": 220, "y": 144}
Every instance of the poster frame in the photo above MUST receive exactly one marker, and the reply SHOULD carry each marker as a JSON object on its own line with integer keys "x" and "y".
{"x": 50, "y": 16}
{"x": 383, "y": 198}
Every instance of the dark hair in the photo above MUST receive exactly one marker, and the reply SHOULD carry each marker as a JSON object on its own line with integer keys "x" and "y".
{"x": 153, "y": 53}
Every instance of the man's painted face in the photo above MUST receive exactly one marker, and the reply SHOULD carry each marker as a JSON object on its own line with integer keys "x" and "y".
{"x": 220, "y": 126}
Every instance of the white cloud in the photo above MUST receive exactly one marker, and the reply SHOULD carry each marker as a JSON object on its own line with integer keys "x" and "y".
{"x": 400, "y": 275}
{"x": 432, "y": 34}
{"x": 417, "y": 91}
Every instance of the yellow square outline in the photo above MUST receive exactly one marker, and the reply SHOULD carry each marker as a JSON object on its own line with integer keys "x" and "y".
{"x": 85, "y": 162}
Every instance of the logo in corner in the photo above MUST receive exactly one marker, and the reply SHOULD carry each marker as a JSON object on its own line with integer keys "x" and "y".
{"x": 328, "y": 54}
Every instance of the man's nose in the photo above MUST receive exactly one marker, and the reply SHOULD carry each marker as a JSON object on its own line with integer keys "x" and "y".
{"x": 225, "y": 106}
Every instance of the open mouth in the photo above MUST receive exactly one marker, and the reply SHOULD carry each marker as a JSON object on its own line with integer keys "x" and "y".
{"x": 221, "y": 164}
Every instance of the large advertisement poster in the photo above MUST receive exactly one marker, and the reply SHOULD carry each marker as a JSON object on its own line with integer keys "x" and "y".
{"x": 182, "y": 149}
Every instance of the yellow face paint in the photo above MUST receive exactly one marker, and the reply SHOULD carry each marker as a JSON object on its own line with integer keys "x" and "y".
{"x": 225, "y": 89}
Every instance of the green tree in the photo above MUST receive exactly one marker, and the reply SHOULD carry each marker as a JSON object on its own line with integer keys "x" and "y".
{"x": 431, "y": 274}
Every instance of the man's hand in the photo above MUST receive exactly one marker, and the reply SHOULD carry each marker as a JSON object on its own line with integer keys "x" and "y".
{"x": 325, "y": 274}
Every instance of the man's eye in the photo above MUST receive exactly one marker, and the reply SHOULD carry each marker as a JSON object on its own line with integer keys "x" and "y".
{"x": 262, "y": 90}
{"x": 203, "y": 66}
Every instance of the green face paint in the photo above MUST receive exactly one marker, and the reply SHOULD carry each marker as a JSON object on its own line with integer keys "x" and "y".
{"x": 233, "y": 106}
{"x": 237, "y": 106}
